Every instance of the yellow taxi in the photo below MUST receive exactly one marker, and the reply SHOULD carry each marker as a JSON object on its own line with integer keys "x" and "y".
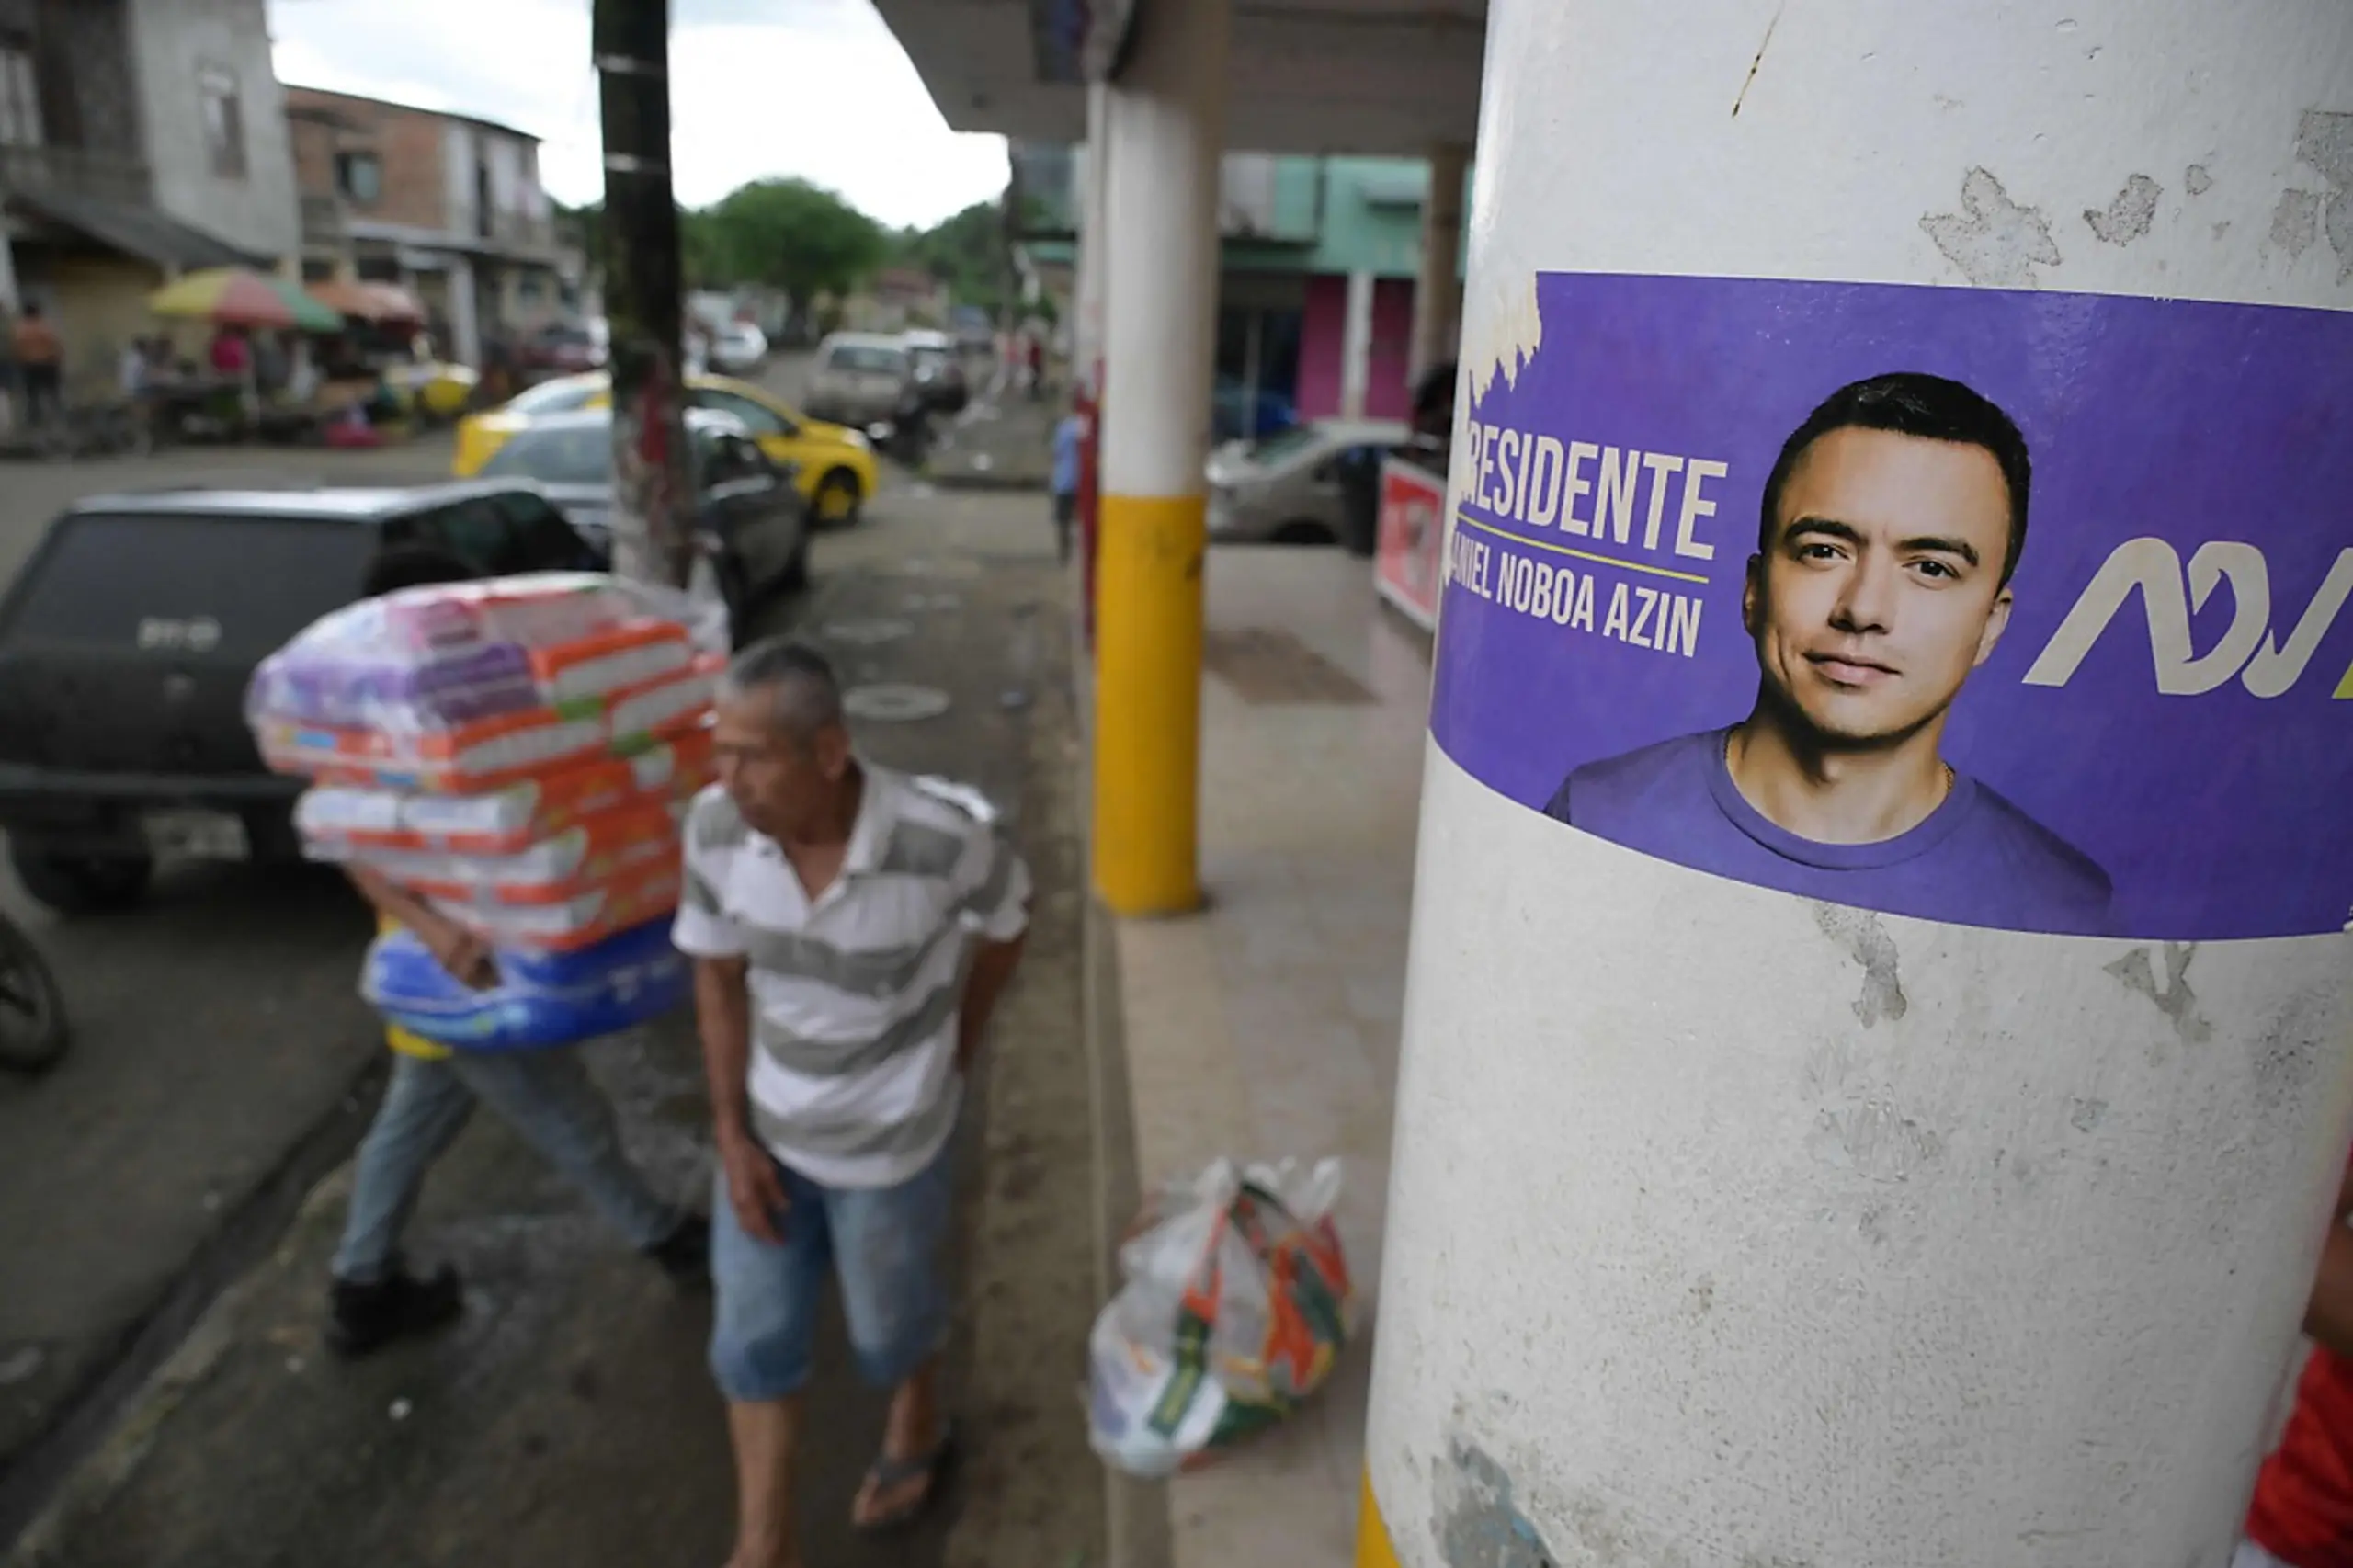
{"x": 837, "y": 468}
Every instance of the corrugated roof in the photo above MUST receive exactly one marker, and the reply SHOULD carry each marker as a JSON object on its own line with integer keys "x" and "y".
{"x": 137, "y": 230}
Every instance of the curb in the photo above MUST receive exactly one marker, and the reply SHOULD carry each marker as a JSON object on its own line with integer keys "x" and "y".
{"x": 1136, "y": 1513}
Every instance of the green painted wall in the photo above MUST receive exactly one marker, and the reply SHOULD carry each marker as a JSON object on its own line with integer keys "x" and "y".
{"x": 1364, "y": 214}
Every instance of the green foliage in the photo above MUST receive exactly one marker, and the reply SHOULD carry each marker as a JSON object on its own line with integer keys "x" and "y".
{"x": 787, "y": 233}
{"x": 966, "y": 252}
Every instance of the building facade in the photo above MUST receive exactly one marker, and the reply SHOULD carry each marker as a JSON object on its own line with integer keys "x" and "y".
{"x": 447, "y": 206}
{"x": 1318, "y": 260}
{"x": 138, "y": 139}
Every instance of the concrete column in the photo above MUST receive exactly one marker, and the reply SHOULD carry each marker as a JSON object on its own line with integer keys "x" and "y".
{"x": 1356, "y": 345}
{"x": 1087, "y": 340}
{"x": 465, "y": 323}
{"x": 1437, "y": 288}
{"x": 1167, "y": 121}
{"x": 1743, "y": 1210}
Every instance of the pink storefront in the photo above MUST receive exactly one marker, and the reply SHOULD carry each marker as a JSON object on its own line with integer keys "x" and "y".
{"x": 1325, "y": 345}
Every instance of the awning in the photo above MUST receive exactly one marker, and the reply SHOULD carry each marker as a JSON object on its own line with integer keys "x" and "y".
{"x": 137, "y": 230}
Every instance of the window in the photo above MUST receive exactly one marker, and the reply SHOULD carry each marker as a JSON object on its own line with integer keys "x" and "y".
{"x": 860, "y": 358}
{"x": 224, "y": 121}
{"x": 758, "y": 418}
{"x": 545, "y": 542}
{"x": 19, "y": 97}
{"x": 476, "y": 533}
{"x": 360, "y": 176}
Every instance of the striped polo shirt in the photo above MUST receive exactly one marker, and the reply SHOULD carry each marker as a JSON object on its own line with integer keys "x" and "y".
{"x": 854, "y": 995}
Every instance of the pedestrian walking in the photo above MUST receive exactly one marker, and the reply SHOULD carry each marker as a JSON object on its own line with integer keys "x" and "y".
{"x": 1070, "y": 434}
{"x": 852, "y": 929}
{"x": 2303, "y": 1513}
{"x": 545, "y": 1095}
{"x": 41, "y": 364}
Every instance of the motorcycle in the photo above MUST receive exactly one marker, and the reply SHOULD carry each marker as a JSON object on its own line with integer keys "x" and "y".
{"x": 33, "y": 1031}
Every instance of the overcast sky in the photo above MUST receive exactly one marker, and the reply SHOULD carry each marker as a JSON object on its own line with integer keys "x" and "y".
{"x": 817, "y": 88}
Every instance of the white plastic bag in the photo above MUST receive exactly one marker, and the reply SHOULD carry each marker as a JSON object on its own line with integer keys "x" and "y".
{"x": 1236, "y": 1306}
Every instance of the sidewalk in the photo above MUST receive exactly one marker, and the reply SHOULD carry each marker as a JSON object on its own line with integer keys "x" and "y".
{"x": 1267, "y": 1026}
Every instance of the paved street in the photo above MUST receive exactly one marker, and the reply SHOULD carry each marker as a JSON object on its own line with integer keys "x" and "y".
{"x": 222, "y": 1064}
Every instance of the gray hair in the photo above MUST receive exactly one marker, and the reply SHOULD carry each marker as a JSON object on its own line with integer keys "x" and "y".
{"x": 801, "y": 693}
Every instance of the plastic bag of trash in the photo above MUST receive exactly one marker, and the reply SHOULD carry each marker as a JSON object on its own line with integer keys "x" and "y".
{"x": 1235, "y": 1305}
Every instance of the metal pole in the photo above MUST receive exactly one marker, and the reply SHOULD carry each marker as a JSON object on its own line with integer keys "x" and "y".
{"x": 1934, "y": 1179}
{"x": 652, "y": 493}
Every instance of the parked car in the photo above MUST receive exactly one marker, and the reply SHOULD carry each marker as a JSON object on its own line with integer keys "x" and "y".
{"x": 753, "y": 521}
{"x": 836, "y": 466}
{"x": 860, "y": 379}
{"x": 562, "y": 349}
{"x": 1286, "y": 488}
{"x": 737, "y": 347}
{"x": 939, "y": 367}
{"x": 128, "y": 638}
{"x": 1238, "y": 412}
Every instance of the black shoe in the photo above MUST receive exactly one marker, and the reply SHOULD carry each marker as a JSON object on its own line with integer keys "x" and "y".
{"x": 362, "y": 1318}
{"x": 685, "y": 1254}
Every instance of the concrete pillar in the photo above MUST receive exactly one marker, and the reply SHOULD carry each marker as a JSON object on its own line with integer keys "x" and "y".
{"x": 465, "y": 324}
{"x": 1777, "y": 1182}
{"x": 1437, "y": 288}
{"x": 1087, "y": 340}
{"x": 1167, "y": 130}
{"x": 1356, "y": 345}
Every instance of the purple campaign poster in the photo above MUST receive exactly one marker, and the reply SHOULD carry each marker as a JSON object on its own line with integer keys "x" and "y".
{"x": 2013, "y": 610}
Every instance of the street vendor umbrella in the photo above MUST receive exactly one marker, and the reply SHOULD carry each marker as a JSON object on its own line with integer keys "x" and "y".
{"x": 382, "y": 302}
{"x": 232, "y": 296}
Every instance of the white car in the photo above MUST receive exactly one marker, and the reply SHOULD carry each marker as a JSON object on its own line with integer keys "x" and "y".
{"x": 1285, "y": 488}
{"x": 738, "y": 347}
{"x": 859, "y": 378}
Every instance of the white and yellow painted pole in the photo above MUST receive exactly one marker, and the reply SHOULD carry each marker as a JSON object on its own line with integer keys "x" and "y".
{"x": 1732, "y": 1223}
{"x": 1165, "y": 121}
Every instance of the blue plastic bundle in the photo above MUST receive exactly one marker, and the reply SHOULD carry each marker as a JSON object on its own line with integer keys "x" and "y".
{"x": 541, "y": 1000}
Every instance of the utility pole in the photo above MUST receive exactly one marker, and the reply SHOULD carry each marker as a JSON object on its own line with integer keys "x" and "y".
{"x": 1777, "y": 1182}
{"x": 652, "y": 493}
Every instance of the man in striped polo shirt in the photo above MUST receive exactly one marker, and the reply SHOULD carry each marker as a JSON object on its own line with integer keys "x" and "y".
{"x": 852, "y": 929}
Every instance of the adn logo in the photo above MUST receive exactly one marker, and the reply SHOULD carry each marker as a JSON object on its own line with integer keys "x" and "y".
{"x": 2249, "y": 649}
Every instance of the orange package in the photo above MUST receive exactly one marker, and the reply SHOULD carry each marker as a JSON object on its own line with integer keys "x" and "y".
{"x": 337, "y": 818}
{"x": 593, "y": 853}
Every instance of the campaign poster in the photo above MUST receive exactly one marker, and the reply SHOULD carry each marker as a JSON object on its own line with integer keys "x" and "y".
{"x": 1413, "y": 527}
{"x": 2003, "y": 608}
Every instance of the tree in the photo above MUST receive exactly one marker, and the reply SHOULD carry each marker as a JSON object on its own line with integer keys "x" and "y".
{"x": 788, "y": 234}
{"x": 966, "y": 252}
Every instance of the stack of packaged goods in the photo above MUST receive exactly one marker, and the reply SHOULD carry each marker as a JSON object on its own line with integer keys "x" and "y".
{"x": 519, "y": 754}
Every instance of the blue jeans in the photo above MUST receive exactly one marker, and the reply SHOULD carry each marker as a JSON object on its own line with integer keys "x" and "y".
{"x": 885, "y": 1245}
{"x": 545, "y": 1095}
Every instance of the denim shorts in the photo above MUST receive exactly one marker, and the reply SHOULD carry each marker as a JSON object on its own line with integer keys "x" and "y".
{"x": 885, "y": 1243}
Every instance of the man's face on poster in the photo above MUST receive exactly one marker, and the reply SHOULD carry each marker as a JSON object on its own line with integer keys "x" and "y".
{"x": 1879, "y": 586}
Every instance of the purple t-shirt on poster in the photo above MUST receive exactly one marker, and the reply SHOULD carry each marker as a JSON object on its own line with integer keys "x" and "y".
{"x": 1975, "y": 860}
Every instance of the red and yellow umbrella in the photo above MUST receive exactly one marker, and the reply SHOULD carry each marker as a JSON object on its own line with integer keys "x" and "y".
{"x": 232, "y": 296}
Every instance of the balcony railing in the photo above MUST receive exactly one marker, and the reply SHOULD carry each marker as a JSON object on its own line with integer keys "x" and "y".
{"x": 518, "y": 230}
{"x": 71, "y": 171}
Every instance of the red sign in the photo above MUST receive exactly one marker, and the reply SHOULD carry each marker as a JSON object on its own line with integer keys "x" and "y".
{"x": 1406, "y": 565}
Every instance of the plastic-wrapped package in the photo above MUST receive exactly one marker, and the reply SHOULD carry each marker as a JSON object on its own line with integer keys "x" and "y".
{"x": 598, "y": 849}
{"x": 340, "y": 821}
{"x": 519, "y": 753}
{"x": 540, "y": 1000}
{"x": 1236, "y": 1306}
{"x": 580, "y": 917}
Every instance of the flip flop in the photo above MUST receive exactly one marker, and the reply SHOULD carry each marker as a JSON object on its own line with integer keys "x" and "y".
{"x": 887, "y": 1473}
